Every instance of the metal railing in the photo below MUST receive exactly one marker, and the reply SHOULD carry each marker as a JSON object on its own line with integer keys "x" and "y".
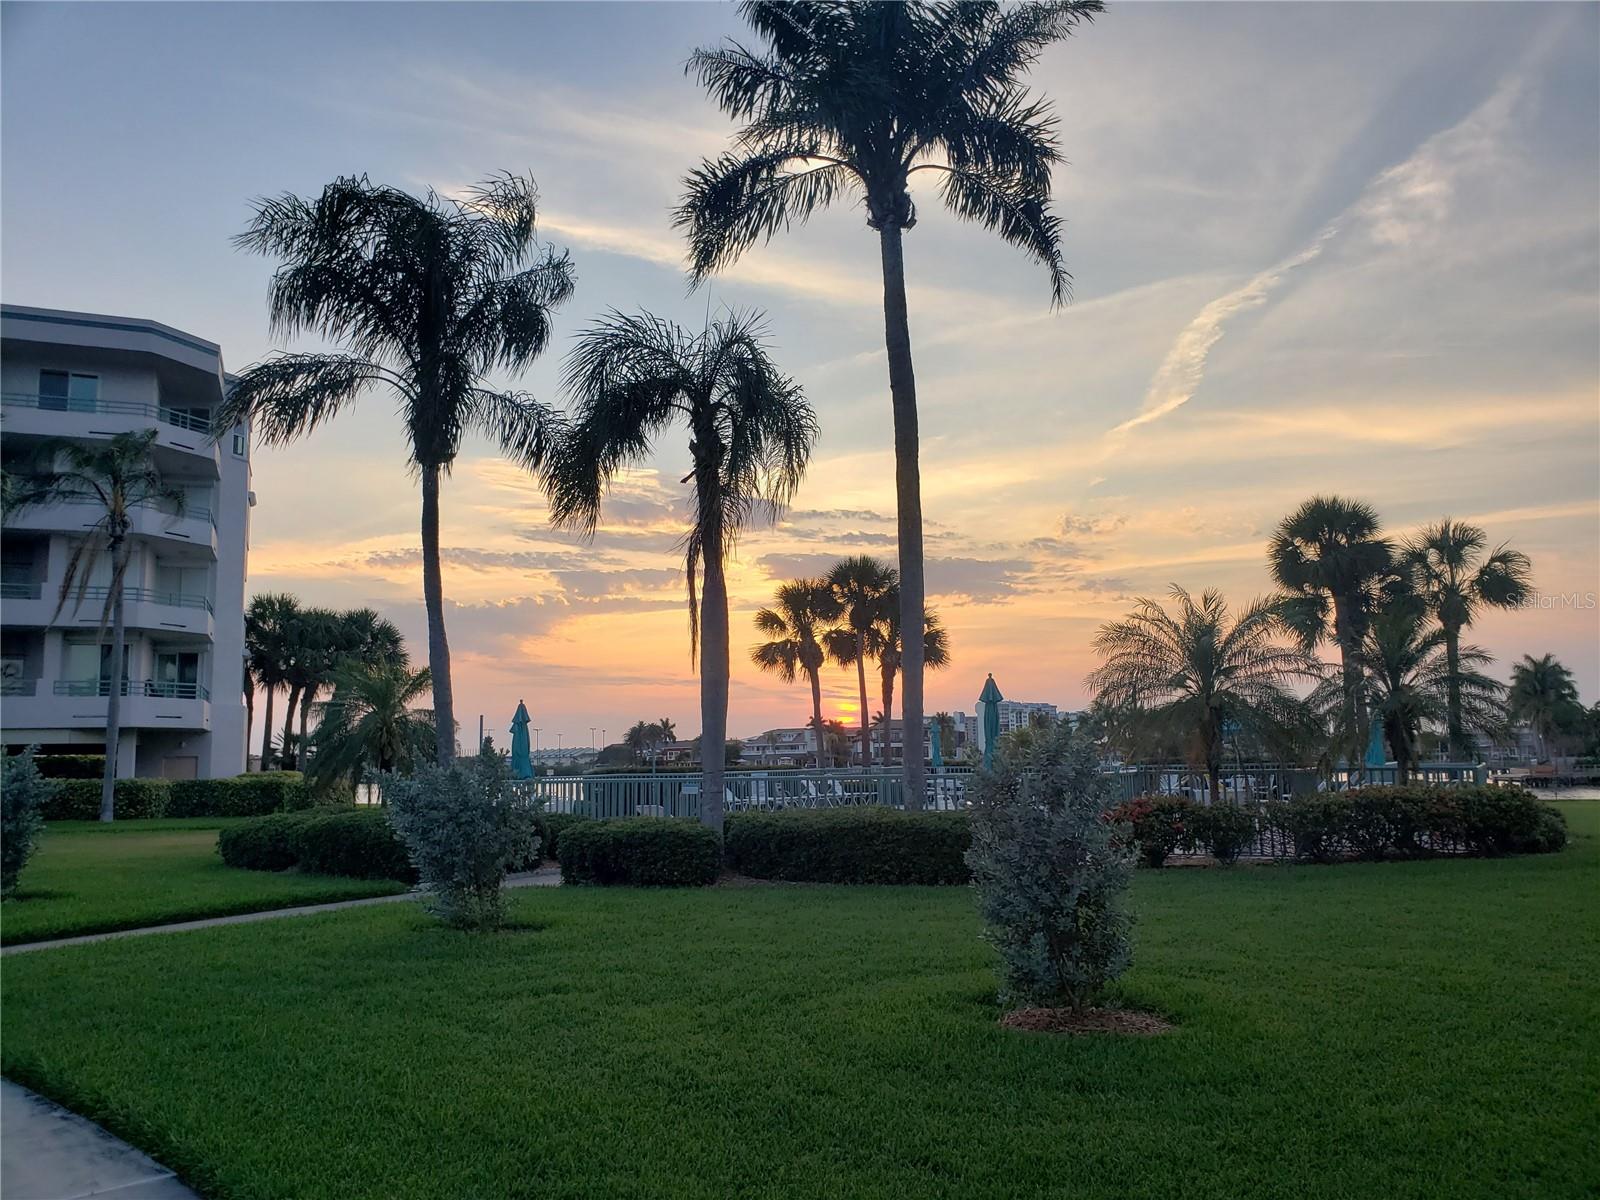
{"x": 160, "y": 689}
{"x": 21, "y": 591}
{"x": 144, "y": 595}
{"x": 131, "y": 408}
{"x": 1258, "y": 782}
{"x": 197, "y": 512}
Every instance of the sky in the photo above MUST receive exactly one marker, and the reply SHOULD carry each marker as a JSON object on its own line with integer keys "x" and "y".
{"x": 1316, "y": 248}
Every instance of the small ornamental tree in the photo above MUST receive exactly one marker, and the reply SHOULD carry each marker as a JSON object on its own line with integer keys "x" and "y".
{"x": 23, "y": 795}
{"x": 463, "y": 829}
{"x": 1051, "y": 870}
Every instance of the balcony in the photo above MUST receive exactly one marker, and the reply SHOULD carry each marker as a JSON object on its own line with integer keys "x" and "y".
{"x": 163, "y": 689}
{"x": 81, "y": 704}
{"x": 196, "y": 525}
{"x": 142, "y": 608}
{"x": 61, "y": 416}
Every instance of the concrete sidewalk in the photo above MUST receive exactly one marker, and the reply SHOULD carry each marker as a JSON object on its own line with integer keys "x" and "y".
{"x": 548, "y": 876}
{"x": 48, "y": 1153}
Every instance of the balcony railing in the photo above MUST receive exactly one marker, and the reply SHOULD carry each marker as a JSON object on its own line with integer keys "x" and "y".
{"x": 20, "y": 591}
{"x": 133, "y": 408}
{"x": 159, "y": 688}
{"x": 196, "y": 512}
{"x": 144, "y": 595}
{"x": 18, "y": 687}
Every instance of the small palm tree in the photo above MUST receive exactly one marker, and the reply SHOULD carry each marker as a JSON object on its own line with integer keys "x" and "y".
{"x": 1545, "y": 695}
{"x": 1338, "y": 570}
{"x": 1448, "y": 568}
{"x": 638, "y": 739}
{"x": 858, "y": 98}
{"x": 864, "y": 587}
{"x": 935, "y": 656}
{"x": 371, "y": 722}
{"x": 1197, "y": 674}
{"x": 668, "y": 728}
{"x": 797, "y": 625}
{"x": 115, "y": 477}
{"x": 750, "y": 437}
{"x": 428, "y": 296}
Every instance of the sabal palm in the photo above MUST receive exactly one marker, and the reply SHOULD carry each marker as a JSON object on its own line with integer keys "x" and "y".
{"x": 340, "y": 640}
{"x": 113, "y": 477}
{"x": 1447, "y": 566}
{"x": 1544, "y": 694}
{"x": 797, "y": 624}
{"x": 854, "y": 99}
{"x": 750, "y": 437}
{"x": 864, "y": 587}
{"x": 372, "y": 722}
{"x": 1331, "y": 558}
{"x": 269, "y": 622}
{"x": 1197, "y": 671}
{"x": 935, "y": 657}
{"x": 428, "y": 296}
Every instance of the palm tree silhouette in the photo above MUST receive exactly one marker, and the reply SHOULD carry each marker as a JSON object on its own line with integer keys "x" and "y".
{"x": 1545, "y": 695}
{"x": 935, "y": 656}
{"x": 864, "y": 587}
{"x": 857, "y": 98}
{"x": 797, "y": 625}
{"x": 371, "y": 721}
{"x": 428, "y": 296}
{"x": 750, "y": 437}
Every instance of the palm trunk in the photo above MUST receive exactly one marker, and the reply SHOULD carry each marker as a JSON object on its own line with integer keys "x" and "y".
{"x": 108, "y": 782}
{"x": 1455, "y": 732}
{"x": 288, "y": 723}
{"x": 861, "y": 683}
{"x": 714, "y": 671}
{"x": 816, "y": 716}
{"x": 908, "y": 499}
{"x": 305, "y": 712}
{"x": 1354, "y": 714}
{"x": 249, "y": 718}
{"x": 266, "y": 731}
{"x": 444, "y": 709}
{"x": 888, "y": 719}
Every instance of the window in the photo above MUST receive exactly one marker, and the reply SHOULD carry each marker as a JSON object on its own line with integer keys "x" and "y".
{"x": 239, "y": 444}
{"x": 177, "y": 674}
{"x": 65, "y": 391}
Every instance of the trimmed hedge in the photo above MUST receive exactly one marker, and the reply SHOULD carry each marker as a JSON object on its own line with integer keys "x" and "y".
{"x": 850, "y": 845}
{"x": 71, "y": 766}
{"x": 639, "y": 852}
{"x": 354, "y": 842}
{"x": 136, "y": 799}
{"x": 550, "y": 826}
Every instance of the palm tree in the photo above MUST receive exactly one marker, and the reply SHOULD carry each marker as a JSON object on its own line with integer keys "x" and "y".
{"x": 114, "y": 477}
{"x": 1447, "y": 566}
{"x": 371, "y": 722}
{"x": 309, "y": 639}
{"x": 797, "y": 625}
{"x": 268, "y": 621}
{"x": 947, "y": 733}
{"x": 338, "y": 640}
{"x": 750, "y": 437}
{"x": 935, "y": 656}
{"x": 864, "y": 586}
{"x": 1545, "y": 695}
{"x": 640, "y": 736}
{"x": 1407, "y": 674}
{"x": 1198, "y": 673}
{"x": 855, "y": 99}
{"x": 428, "y": 296}
{"x": 1337, "y": 569}
{"x": 668, "y": 728}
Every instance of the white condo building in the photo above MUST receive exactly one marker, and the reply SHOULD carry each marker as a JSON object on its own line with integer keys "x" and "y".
{"x": 88, "y": 377}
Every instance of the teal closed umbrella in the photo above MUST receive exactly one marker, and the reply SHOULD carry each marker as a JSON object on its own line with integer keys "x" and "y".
{"x": 989, "y": 703}
{"x": 935, "y": 751}
{"x": 1376, "y": 755}
{"x": 521, "y": 759}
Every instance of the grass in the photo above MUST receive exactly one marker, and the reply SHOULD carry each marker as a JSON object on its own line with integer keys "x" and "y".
{"x": 90, "y": 878}
{"x": 1403, "y": 1030}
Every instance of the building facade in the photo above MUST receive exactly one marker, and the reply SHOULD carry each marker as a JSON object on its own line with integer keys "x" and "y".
{"x": 87, "y": 377}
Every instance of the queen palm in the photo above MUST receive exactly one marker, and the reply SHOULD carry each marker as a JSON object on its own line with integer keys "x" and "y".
{"x": 857, "y": 99}
{"x": 1337, "y": 569}
{"x": 428, "y": 296}
{"x": 796, "y": 624}
{"x": 1544, "y": 694}
{"x": 750, "y": 437}
{"x": 1447, "y": 566}
{"x": 864, "y": 586}
{"x": 372, "y": 722}
{"x": 935, "y": 656}
{"x": 112, "y": 477}
{"x": 1196, "y": 672}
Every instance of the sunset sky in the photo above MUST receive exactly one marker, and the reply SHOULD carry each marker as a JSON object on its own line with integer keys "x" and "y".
{"x": 1349, "y": 248}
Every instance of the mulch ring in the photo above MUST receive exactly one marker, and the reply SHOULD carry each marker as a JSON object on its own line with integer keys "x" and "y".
{"x": 1091, "y": 1020}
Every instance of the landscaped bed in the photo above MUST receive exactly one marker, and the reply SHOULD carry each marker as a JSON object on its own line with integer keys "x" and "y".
{"x": 90, "y": 878}
{"x": 1415, "y": 1029}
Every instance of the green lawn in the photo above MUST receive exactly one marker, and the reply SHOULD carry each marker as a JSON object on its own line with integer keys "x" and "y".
{"x": 1407, "y": 1030}
{"x": 87, "y": 878}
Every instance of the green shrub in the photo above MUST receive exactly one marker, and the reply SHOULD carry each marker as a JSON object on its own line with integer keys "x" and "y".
{"x": 640, "y": 852}
{"x": 264, "y": 844}
{"x": 1224, "y": 830}
{"x": 1157, "y": 826}
{"x": 850, "y": 845}
{"x": 350, "y": 841}
{"x": 239, "y": 796}
{"x": 549, "y": 826}
{"x": 71, "y": 766}
{"x": 135, "y": 800}
{"x": 24, "y": 793}
{"x": 1412, "y": 820}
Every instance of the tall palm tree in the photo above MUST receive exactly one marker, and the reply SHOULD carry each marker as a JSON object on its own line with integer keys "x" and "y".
{"x": 935, "y": 656}
{"x": 796, "y": 625}
{"x": 1407, "y": 675}
{"x": 750, "y": 437}
{"x": 1446, "y": 565}
{"x": 864, "y": 587}
{"x": 268, "y": 623}
{"x": 428, "y": 297}
{"x": 1337, "y": 569}
{"x": 856, "y": 99}
{"x": 310, "y": 639}
{"x": 340, "y": 639}
{"x": 1545, "y": 695}
{"x": 114, "y": 477}
{"x": 372, "y": 722}
{"x": 1197, "y": 673}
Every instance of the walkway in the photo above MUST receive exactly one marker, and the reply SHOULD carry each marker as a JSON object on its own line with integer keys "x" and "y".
{"x": 547, "y": 876}
{"x": 48, "y": 1153}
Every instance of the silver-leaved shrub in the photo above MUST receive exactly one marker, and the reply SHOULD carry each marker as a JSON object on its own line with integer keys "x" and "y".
{"x": 1051, "y": 871}
{"x": 23, "y": 795}
{"x": 463, "y": 828}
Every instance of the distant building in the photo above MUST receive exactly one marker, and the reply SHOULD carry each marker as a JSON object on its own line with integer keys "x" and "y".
{"x": 87, "y": 377}
{"x": 790, "y": 746}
